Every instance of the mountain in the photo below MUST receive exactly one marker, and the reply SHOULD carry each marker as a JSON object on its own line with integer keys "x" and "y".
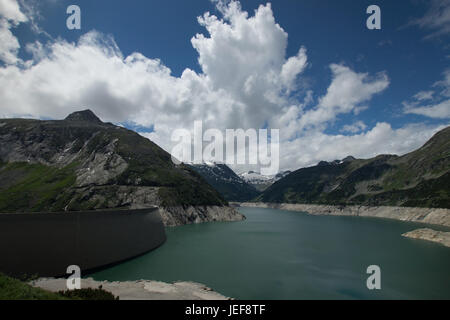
{"x": 281, "y": 175}
{"x": 261, "y": 182}
{"x": 418, "y": 179}
{"x": 229, "y": 184}
{"x": 82, "y": 163}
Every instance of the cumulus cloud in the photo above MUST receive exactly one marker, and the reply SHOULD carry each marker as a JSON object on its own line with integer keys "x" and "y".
{"x": 246, "y": 81}
{"x": 356, "y": 127}
{"x": 246, "y": 57}
{"x": 10, "y": 16}
{"x": 9, "y": 45}
{"x": 292, "y": 68}
{"x": 347, "y": 91}
{"x": 10, "y": 10}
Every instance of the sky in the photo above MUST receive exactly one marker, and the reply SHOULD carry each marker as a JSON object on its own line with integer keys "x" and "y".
{"x": 310, "y": 68}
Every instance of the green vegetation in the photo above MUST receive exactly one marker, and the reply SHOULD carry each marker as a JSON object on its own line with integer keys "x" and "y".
{"x": 34, "y": 187}
{"x": 149, "y": 165}
{"x": 418, "y": 179}
{"x": 192, "y": 190}
{"x": 13, "y": 289}
{"x": 44, "y": 185}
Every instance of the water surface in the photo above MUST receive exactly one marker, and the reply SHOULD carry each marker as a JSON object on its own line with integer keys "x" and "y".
{"x": 278, "y": 254}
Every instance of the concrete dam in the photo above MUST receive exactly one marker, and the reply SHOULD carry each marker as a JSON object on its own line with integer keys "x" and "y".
{"x": 45, "y": 244}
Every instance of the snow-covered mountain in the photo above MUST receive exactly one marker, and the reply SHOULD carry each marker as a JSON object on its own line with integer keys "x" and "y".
{"x": 260, "y": 181}
{"x": 226, "y": 181}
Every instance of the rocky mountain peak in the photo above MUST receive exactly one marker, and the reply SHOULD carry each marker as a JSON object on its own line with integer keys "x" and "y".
{"x": 349, "y": 159}
{"x": 85, "y": 115}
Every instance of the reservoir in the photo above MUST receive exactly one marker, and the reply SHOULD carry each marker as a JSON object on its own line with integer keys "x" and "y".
{"x": 277, "y": 254}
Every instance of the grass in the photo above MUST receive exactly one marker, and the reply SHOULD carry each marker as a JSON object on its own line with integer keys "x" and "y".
{"x": 402, "y": 183}
{"x": 36, "y": 187}
{"x": 13, "y": 289}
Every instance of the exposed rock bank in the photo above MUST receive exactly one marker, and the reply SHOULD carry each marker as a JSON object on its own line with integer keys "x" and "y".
{"x": 139, "y": 290}
{"x": 144, "y": 197}
{"x": 175, "y": 216}
{"x": 421, "y": 215}
{"x": 440, "y": 237}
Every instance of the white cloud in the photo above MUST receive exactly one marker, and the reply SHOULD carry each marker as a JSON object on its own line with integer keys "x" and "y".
{"x": 347, "y": 91}
{"x": 439, "y": 111}
{"x": 424, "y": 95}
{"x": 356, "y": 127}
{"x": 381, "y": 139}
{"x": 10, "y": 10}
{"x": 31, "y": 10}
{"x": 348, "y": 88}
{"x": 245, "y": 82}
{"x": 292, "y": 68}
{"x": 438, "y": 106}
{"x": 9, "y": 45}
{"x": 246, "y": 57}
{"x": 444, "y": 84}
{"x": 10, "y": 16}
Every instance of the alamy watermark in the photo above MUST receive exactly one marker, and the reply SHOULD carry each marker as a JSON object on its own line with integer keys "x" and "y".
{"x": 73, "y": 22}
{"x": 374, "y": 20}
{"x": 374, "y": 280}
{"x": 73, "y": 282}
{"x": 236, "y": 147}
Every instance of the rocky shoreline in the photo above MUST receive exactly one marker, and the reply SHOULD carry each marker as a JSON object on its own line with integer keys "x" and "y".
{"x": 177, "y": 216}
{"x": 139, "y": 290}
{"x": 440, "y": 237}
{"x": 432, "y": 216}
{"x": 436, "y": 216}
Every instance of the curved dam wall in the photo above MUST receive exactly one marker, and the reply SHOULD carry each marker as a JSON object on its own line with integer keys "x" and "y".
{"x": 45, "y": 244}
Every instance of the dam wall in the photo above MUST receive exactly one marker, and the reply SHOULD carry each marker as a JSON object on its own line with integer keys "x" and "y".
{"x": 45, "y": 244}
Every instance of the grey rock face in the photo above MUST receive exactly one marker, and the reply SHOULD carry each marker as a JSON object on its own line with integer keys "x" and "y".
{"x": 175, "y": 216}
{"x": 99, "y": 167}
{"x": 100, "y": 156}
{"x": 436, "y": 216}
{"x": 440, "y": 237}
{"x": 85, "y": 115}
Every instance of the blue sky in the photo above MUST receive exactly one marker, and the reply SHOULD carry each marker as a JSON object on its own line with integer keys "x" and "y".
{"x": 404, "y": 62}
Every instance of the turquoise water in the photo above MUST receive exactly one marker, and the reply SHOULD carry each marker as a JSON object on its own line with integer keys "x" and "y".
{"x": 277, "y": 254}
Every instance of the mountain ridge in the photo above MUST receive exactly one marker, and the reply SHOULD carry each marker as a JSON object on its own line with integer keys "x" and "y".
{"x": 420, "y": 178}
{"x": 222, "y": 178}
{"x": 82, "y": 163}
{"x": 261, "y": 182}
